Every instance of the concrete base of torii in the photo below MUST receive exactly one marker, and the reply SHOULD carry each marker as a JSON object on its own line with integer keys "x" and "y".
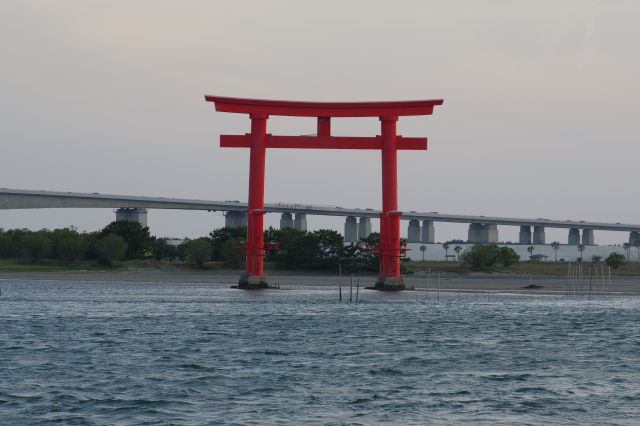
{"x": 389, "y": 283}
{"x": 252, "y": 282}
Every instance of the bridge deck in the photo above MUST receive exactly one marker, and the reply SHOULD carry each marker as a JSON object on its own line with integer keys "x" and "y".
{"x": 29, "y": 199}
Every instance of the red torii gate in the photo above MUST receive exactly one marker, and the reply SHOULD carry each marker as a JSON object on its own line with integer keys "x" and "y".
{"x": 388, "y": 142}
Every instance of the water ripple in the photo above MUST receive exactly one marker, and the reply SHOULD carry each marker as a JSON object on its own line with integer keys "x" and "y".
{"x": 136, "y": 353}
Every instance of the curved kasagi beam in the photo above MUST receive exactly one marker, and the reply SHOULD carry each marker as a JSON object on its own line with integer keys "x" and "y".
{"x": 323, "y": 109}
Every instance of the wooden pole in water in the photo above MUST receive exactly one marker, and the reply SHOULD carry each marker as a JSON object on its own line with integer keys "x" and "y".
{"x": 566, "y": 292}
{"x": 339, "y": 283}
{"x": 439, "y": 286}
{"x": 426, "y": 296}
{"x": 351, "y": 289}
{"x": 609, "y": 281}
{"x": 357, "y": 289}
{"x": 590, "y": 278}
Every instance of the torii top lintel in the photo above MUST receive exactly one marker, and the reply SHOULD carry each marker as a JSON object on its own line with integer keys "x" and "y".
{"x": 263, "y": 108}
{"x": 324, "y": 109}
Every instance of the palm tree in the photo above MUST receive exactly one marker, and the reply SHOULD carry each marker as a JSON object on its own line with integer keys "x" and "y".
{"x": 581, "y": 248}
{"x": 530, "y": 249}
{"x": 423, "y": 248}
{"x": 457, "y": 249}
{"x": 626, "y": 249}
{"x": 555, "y": 245}
{"x": 445, "y": 246}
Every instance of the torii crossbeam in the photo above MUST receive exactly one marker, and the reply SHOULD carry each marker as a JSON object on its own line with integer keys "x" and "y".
{"x": 388, "y": 142}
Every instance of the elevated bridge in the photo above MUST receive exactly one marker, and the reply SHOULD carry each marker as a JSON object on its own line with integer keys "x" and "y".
{"x": 482, "y": 229}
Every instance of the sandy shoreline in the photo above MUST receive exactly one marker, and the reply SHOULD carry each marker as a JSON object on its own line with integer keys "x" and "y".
{"x": 448, "y": 282}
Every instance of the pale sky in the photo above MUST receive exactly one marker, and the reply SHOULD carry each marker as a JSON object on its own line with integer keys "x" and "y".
{"x": 539, "y": 120}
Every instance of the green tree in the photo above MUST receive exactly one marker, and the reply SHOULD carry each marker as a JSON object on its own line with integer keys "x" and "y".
{"x": 5, "y": 243}
{"x": 221, "y": 235}
{"x": 163, "y": 250}
{"x": 110, "y": 248}
{"x": 199, "y": 251}
{"x": 364, "y": 254}
{"x": 457, "y": 249}
{"x": 445, "y": 246}
{"x": 14, "y": 243}
{"x": 71, "y": 248}
{"x": 231, "y": 252}
{"x": 329, "y": 247}
{"x": 615, "y": 260}
{"x": 508, "y": 256}
{"x": 530, "y": 249}
{"x": 37, "y": 246}
{"x": 488, "y": 256}
{"x": 137, "y": 237}
{"x": 556, "y": 246}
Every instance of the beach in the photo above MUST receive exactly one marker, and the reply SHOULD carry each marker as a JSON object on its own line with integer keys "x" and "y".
{"x": 518, "y": 283}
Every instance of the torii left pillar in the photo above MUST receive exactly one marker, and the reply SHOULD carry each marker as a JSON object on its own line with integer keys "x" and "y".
{"x": 253, "y": 276}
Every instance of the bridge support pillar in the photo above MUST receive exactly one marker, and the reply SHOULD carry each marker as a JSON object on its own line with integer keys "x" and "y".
{"x": 525, "y": 235}
{"x": 351, "y": 230}
{"x": 587, "y": 237}
{"x": 538, "y": 235}
{"x": 132, "y": 214}
{"x": 475, "y": 233}
{"x": 483, "y": 233}
{"x": 364, "y": 227}
{"x": 491, "y": 233}
{"x": 286, "y": 220}
{"x": 574, "y": 237}
{"x": 634, "y": 238}
{"x": 235, "y": 219}
{"x": 300, "y": 222}
{"x": 428, "y": 232}
{"x": 413, "y": 233}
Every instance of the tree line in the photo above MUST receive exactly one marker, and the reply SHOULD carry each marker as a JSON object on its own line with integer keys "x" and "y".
{"x": 127, "y": 240}
{"x": 322, "y": 250}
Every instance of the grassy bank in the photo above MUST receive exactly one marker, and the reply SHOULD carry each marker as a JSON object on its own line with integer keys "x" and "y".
{"x": 531, "y": 268}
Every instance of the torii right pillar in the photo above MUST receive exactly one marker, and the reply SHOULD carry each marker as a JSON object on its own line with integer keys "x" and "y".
{"x": 389, "y": 278}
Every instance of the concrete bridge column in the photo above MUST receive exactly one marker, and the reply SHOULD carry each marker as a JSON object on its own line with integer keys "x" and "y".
{"x": 634, "y": 238}
{"x": 413, "y": 233}
{"x": 300, "y": 222}
{"x": 538, "y": 235}
{"x": 286, "y": 220}
{"x": 364, "y": 227}
{"x": 351, "y": 230}
{"x": 475, "y": 233}
{"x": 428, "y": 233}
{"x": 587, "y": 237}
{"x": 483, "y": 233}
{"x": 525, "y": 235}
{"x": 574, "y": 237}
{"x": 235, "y": 219}
{"x": 490, "y": 233}
{"x": 133, "y": 215}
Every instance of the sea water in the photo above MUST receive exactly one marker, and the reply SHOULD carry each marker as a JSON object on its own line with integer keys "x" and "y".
{"x": 159, "y": 353}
